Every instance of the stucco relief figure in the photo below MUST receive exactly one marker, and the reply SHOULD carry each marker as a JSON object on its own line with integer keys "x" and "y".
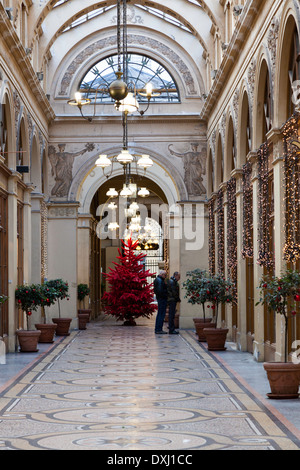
{"x": 194, "y": 168}
{"x": 62, "y": 167}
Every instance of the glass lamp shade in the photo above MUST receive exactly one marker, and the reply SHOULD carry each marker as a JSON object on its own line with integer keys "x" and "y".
{"x": 124, "y": 157}
{"x": 126, "y": 192}
{"x": 129, "y": 104}
{"x": 113, "y": 226}
{"x": 103, "y": 161}
{"x": 145, "y": 161}
{"x": 143, "y": 192}
{"x": 112, "y": 192}
{"x": 112, "y": 206}
{"x": 134, "y": 206}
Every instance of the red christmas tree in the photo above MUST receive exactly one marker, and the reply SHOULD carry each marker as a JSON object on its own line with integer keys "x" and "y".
{"x": 130, "y": 296}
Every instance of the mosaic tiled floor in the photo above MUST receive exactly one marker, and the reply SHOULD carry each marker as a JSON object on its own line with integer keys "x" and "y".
{"x": 123, "y": 388}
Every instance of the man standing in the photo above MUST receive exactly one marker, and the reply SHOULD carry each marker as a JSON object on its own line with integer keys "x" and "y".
{"x": 161, "y": 292}
{"x": 173, "y": 298}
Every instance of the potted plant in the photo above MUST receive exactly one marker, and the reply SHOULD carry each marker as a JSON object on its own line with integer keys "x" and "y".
{"x": 221, "y": 291}
{"x": 197, "y": 288}
{"x": 83, "y": 314}
{"x": 280, "y": 295}
{"x": 48, "y": 297}
{"x": 28, "y": 298}
{"x": 62, "y": 290}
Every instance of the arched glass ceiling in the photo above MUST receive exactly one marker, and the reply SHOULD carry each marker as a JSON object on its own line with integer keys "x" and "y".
{"x": 141, "y": 70}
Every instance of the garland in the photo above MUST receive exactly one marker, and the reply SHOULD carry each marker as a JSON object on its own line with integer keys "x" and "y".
{"x": 265, "y": 257}
{"x": 247, "y": 250}
{"x": 211, "y": 242}
{"x": 231, "y": 230}
{"x": 291, "y": 249}
{"x": 220, "y": 232}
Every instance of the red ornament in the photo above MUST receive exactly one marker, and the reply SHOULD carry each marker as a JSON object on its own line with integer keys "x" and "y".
{"x": 297, "y": 297}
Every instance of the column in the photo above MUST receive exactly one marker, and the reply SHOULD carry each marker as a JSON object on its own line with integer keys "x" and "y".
{"x": 12, "y": 259}
{"x": 276, "y": 138}
{"x": 62, "y": 254}
{"x": 258, "y": 343}
{"x": 241, "y": 266}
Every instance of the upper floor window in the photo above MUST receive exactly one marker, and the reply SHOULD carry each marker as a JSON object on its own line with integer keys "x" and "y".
{"x": 140, "y": 71}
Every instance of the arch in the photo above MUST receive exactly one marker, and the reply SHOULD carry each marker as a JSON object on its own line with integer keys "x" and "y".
{"x": 219, "y": 163}
{"x": 244, "y": 144}
{"x": 283, "y": 92}
{"x": 263, "y": 112}
{"x": 35, "y": 166}
{"x": 8, "y": 139}
{"x": 89, "y": 178}
{"x": 68, "y": 82}
{"x": 230, "y": 148}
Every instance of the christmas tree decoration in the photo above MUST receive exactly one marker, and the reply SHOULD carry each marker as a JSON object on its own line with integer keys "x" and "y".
{"x": 212, "y": 241}
{"x": 129, "y": 296}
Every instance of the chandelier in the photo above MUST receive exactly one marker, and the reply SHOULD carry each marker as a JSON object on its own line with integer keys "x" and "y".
{"x": 123, "y": 93}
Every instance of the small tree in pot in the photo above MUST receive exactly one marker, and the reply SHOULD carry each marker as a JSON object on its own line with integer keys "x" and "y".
{"x": 280, "y": 295}
{"x": 28, "y": 298}
{"x": 49, "y": 297}
{"x": 83, "y": 291}
{"x": 197, "y": 286}
{"x": 221, "y": 291}
{"x": 62, "y": 290}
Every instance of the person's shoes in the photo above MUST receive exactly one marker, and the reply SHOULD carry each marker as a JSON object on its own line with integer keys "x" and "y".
{"x": 161, "y": 332}
{"x": 174, "y": 332}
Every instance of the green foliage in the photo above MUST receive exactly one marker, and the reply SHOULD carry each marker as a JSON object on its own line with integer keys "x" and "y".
{"x": 201, "y": 288}
{"x": 29, "y": 297}
{"x": 278, "y": 293}
{"x": 3, "y": 298}
{"x": 61, "y": 287}
{"x": 82, "y": 291}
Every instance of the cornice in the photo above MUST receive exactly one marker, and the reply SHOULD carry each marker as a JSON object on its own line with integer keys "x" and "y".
{"x": 19, "y": 55}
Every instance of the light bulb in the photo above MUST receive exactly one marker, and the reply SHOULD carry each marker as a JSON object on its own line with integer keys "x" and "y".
{"x": 129, "y": 104}
{"x": 78, "y": 98}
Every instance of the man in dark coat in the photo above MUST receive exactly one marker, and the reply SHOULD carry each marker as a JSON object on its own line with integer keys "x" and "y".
{"x": 161, "y": 292}
{"x": 173, "y": 298}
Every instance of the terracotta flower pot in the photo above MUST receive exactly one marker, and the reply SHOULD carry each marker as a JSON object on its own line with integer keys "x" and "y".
{"x": 83, "y": 319}
{"x": 216, "y": 338}
{"x": 200, "y": 329}
{"x": 47, "y": 332}
{"x": 63, "y": 326}
{"x": 284, "y": 379}
{"x": 202, "y": 320}
{"x": 86, "y": 310}
{"x": 28, "y": 340}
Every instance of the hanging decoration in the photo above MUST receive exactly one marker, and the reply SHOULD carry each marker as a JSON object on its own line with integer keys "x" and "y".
{"x": 265, "y": 257}
{"x": 247, "y": 249}
{"x": 231, "y": 230}
{"x": 211, "y": 229}
{"x": 220, "y": 232}
{"x": 291, "y": 249}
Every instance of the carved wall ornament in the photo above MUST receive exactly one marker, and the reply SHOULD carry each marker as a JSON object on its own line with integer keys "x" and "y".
{"x": 194, "y": 162}
{"x": 272, "y": 40}
{"x": 62, "y": 167}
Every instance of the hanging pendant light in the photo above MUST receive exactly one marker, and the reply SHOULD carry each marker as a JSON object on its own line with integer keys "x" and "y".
{"x": 103, "y": 161}
{"x": 112, "y": 206}
{"x": 124, "y": 157}
{"x": 129, "y": 104}
{"x": 112, "y": 192}
{"x": 113, "y": 226}
{"x": 143, "y": 192}
{"x": 126, "y": 192}
{"x": 145, "y": 162}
